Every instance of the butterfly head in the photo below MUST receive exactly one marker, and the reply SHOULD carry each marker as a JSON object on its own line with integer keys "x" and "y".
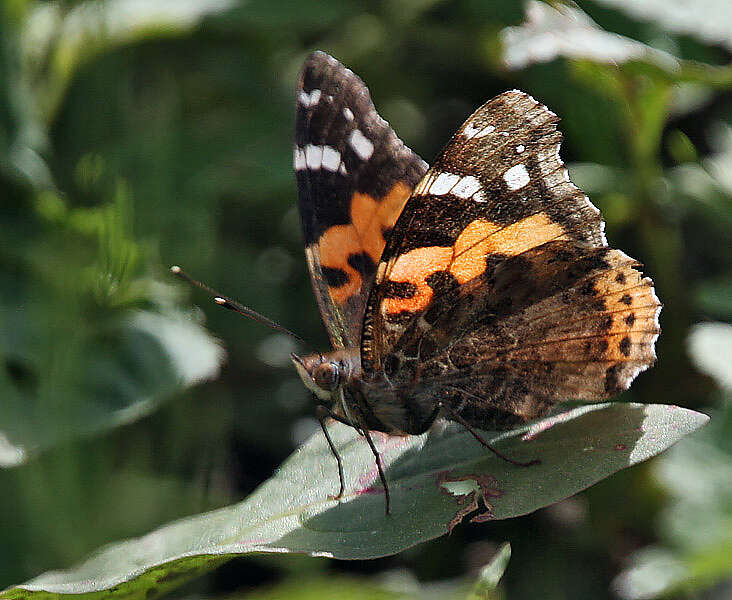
{"x": 324, "y": 374}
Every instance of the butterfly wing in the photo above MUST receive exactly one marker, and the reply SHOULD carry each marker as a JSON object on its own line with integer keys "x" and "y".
{"x": 496, "y": 293}
{"x": 354, "y": 176}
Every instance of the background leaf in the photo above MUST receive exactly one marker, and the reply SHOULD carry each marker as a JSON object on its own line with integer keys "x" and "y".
{"x": 710, "y": 345}
{"x": 490, "y": 575}
{"x": 551, "y": 32}
{"x": 695, "y": 526}
{"x": 681, "y": 17}
{"x": 129, "y": 368}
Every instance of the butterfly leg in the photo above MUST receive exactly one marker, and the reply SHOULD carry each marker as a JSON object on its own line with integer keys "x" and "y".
{"x": 456, "y": 417}
{"x": 382, "y": 476}
{"x": 323, "y": 413}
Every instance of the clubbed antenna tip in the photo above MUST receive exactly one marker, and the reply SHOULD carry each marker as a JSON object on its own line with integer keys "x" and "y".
{"x": 226, "y": 302}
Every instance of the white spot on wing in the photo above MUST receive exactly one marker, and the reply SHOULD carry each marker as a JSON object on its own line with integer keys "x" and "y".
{"x": 331, "y": 158}
{"x": 313, "y": 156}
{"x": 466, "y": 187}
{"x": 520, "y": 148}
{"x": 310, "y": 99}
{"x": 470, "y": 130}
{"x": 348, "y": 113}
{"x": 444, "y": 183}
{"x": 361, "y": 144}
{"x": 480, "y": 196}
{"x": 299, "y": 159}
{"x": 473, "y": 130}
{"x": 342, "y": 169}
{"x": 516, "y": 177}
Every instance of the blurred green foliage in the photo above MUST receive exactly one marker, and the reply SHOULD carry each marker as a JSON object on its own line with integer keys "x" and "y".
{"x": 137, "y": 135}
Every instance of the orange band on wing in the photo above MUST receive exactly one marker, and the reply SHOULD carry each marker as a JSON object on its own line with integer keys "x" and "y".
{"x": 335, "y": 246}
{"x": 369, "y": 218}
{"x": 465, "y": 260}
{"x": 415, "y": 267}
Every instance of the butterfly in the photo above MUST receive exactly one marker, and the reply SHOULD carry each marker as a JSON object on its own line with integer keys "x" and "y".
{"x": 479, "y": 290}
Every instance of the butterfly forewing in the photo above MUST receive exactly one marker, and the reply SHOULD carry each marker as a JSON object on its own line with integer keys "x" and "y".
{"x": 353, "y": 177}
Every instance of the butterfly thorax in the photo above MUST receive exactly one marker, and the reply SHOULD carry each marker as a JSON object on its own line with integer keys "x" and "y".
{"x": 365, "y": 400}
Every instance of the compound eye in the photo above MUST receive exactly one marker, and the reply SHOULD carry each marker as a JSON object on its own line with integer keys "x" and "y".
{"x": 326, "y": 376}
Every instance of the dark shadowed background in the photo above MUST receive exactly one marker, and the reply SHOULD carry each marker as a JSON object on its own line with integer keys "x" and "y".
{"x": 138, "y": 135}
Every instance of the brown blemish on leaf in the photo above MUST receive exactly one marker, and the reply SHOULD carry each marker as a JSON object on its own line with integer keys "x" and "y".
{"x": 469, "y": 503}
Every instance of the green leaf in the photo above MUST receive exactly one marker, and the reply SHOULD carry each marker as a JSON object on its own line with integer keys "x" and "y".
{"x": 706, "y": 188}
{"x": 56, "y": 40}
{"x": 327, "y": 587}
{"x": 708, "y": 20}
{"x": 715, "y": 298}
{"x": 694, "y": 529}
{"x": 654, "y": 571}
{"x": 121, "y": 347}
{"x": 119, "y": 373}
{"x": 490, "y": 575}
{"x": 566, "y": 31}
{"x": 710, "y": 348}
{"x": 313, "y": 14}
{"x": 436, "y": 481}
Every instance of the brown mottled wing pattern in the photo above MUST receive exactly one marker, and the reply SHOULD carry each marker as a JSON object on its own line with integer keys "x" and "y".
{"x": 496, "y": 294}
{"x": 353, "y": 178}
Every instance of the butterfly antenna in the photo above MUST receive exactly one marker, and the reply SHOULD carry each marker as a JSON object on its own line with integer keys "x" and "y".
{"x": 226, "y": 302}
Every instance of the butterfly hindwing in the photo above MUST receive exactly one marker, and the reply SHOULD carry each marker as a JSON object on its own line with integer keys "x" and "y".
{"x": 353, "y": 177}
{"x": 562, "y": 321}
{"x": 496, "y": 293}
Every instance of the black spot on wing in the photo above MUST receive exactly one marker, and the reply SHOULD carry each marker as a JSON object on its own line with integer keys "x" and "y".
{"x": 398, "y": 289}
{"x": 588, "y": 289}
{"x": 363, "y": 263}
{"x": 442, "y": 282}
{"x": 612, "y": 379}
{"x": 520, "y": 122}
{"x": 334, "y": 277}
